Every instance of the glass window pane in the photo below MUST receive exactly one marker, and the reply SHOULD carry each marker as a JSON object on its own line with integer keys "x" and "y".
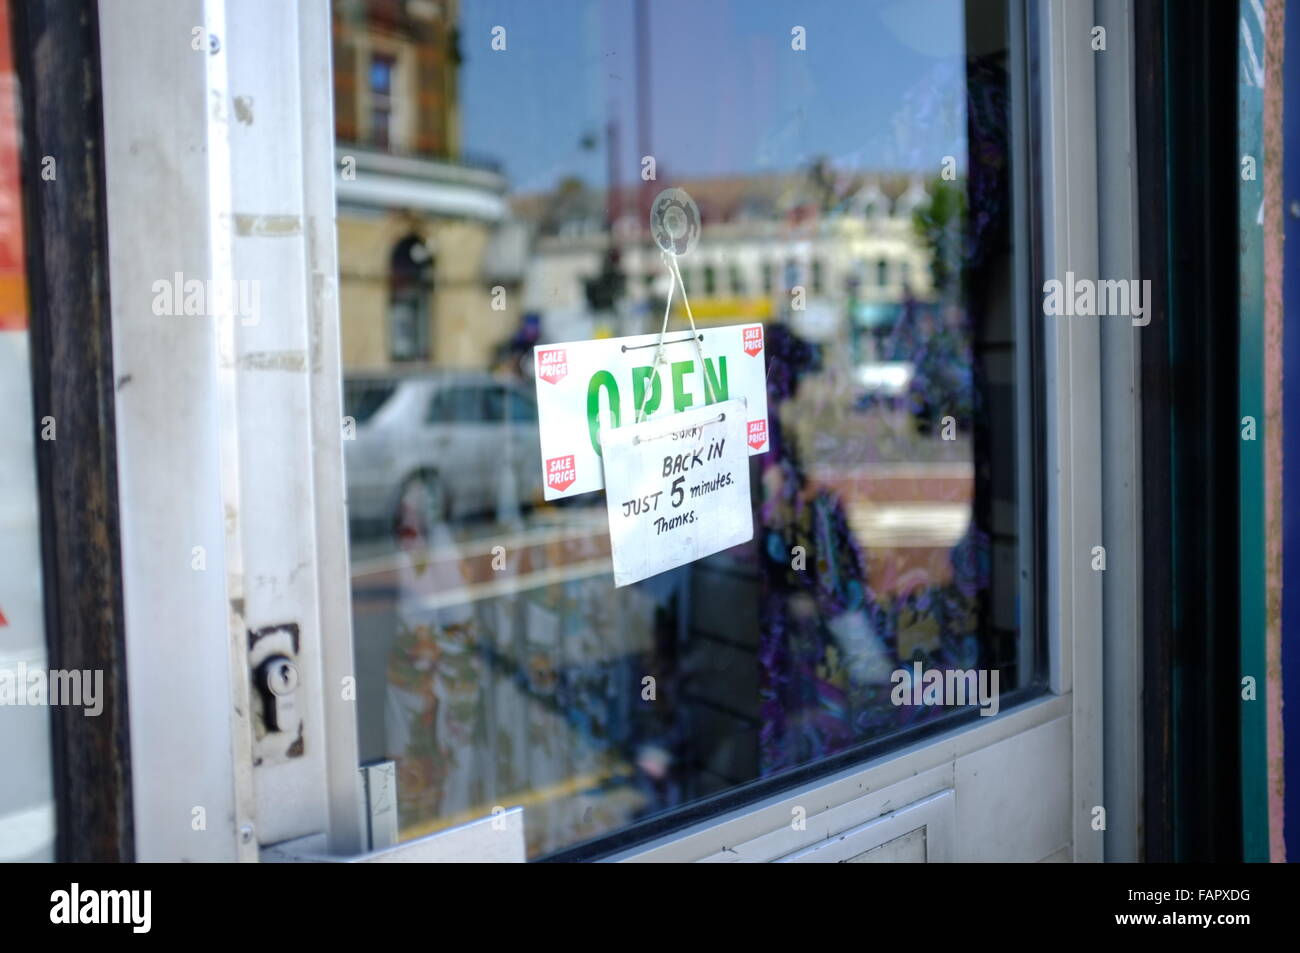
{"x": 522, "y": 409}
{"x": 459, "y": 405}
{"x": 499, "y": 665}
{"x": 362, "y": 399}
{"x": 381, "y": 74}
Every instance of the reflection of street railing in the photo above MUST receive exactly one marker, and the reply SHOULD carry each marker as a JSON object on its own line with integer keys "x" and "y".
{"x": 569, "y": 788}
{"x": 506, "y": 584}
{"x": 534, "y": 558}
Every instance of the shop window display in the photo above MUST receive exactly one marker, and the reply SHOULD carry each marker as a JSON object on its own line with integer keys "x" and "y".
{"x": 498, "y": 664}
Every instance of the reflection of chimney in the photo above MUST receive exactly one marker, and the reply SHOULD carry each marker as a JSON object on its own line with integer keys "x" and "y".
{"x": 645, "y": 190}
{"x": 612, "y": 197}
{"x": 914, "y": 197}
{"x": 871, "y": 201}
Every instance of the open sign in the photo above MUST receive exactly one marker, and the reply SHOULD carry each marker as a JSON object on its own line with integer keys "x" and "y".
{"x": 585, "y": 387}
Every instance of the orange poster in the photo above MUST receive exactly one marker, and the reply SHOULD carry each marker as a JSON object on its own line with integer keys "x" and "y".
{"x": 13, "y": 286}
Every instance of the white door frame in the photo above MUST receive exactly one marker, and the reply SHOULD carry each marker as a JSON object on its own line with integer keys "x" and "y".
{"x": 1073, "y": 394}
{"x": 229, "y": 446}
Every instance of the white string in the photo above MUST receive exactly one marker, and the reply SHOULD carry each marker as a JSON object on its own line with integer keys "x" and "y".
{"x": 659, "y": 353}
{"x": 701, "y": 425}
{"x": 699, "y": 349}
{"x": 676, "y": 274}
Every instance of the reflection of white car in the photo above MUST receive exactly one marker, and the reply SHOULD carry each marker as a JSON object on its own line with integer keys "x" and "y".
{"x": 465, "y": 439}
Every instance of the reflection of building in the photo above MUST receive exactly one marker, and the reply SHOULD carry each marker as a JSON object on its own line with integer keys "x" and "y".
{"x": 417, "y": 222}
{"x": 762, "y": 236}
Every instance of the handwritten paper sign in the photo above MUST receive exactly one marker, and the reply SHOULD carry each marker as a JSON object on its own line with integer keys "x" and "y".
{"x": 677, "y": 489}
{"x": 587, "y": 387}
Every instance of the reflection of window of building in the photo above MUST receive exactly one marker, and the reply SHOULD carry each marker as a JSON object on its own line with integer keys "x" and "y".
{"x": 710, "y": 281}
{"x": 380, "y": 84}
{"x": 817, "y": 277}
{"x": 410, "y": 295}
{"x": 378, "y": 107}
{"x": 522, "y": 410}
{"x": 737, "y": 280}
{"x": 882, "y": 273}
{"x": 396, "y": 65}
{"x": 768, "y": 277}
{"x": 904, "y": 271}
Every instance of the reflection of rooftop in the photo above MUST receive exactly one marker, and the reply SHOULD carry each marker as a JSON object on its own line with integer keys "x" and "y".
{"x": 909, "y": 525}
{"x": 905, "y": 482}
{"x": 750, "y": 202}
{"x": 384, "y": 180}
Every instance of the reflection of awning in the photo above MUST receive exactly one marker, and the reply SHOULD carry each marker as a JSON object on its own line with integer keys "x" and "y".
{"x": 875, "y": 315}
{"x": 444, "y": 188}
{"x": 453, "y": 201}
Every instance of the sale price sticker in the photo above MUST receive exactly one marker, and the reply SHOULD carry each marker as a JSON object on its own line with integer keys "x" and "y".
{"x": 677, "y": 489}
{"x": 552, "y": 365}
